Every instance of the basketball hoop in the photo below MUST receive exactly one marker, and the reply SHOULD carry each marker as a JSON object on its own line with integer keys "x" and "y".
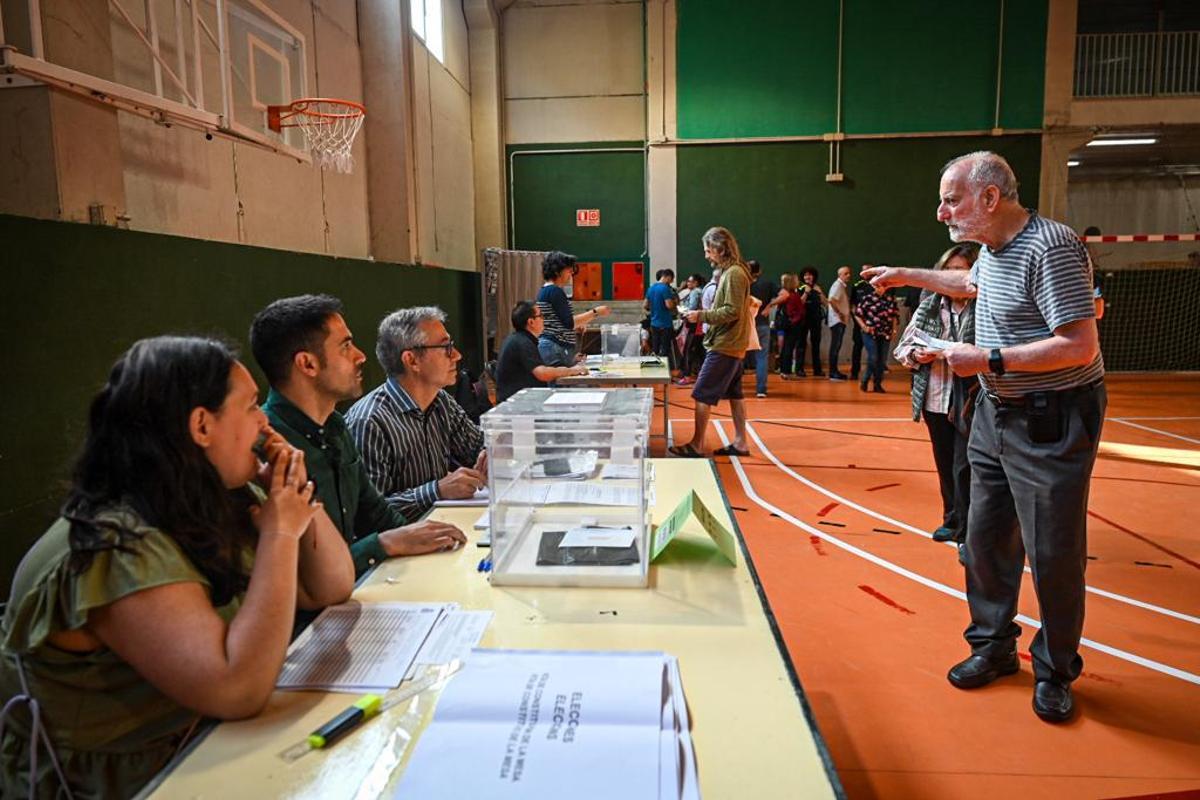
{"x": 329, "y": 127}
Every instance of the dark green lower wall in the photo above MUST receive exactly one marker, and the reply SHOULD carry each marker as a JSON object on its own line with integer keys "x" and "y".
{"x": 775, "y": 199}
{"x": 76, "y": 296}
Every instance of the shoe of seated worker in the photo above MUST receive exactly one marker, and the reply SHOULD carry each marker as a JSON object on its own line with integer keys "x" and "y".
{"x": 977, "y": 671}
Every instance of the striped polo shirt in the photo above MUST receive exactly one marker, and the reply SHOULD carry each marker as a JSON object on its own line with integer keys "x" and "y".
{"x": 1038, "y": 282}
{"x": 406, "y": 449}
{"x": 557, "y": 314}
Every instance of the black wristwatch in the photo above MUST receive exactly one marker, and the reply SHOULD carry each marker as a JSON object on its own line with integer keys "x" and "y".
{"x": 996, "y": 362}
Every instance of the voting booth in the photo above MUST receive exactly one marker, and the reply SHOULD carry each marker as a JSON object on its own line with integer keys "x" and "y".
{"x": 620, "y": 343}
{"x": 569, "y": 487}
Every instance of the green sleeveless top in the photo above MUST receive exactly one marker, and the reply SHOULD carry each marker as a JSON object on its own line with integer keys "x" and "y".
{"x": 112, "y": 730}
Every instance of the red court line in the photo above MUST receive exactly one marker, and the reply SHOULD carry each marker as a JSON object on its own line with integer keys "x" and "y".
{"x": 828, "y": 508}
{"x": 882, "y": 486}
{"x": 1145, "y": 539}
{"x": 883, "y": 598}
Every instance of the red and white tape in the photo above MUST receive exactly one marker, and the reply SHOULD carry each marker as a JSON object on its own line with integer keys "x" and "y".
{"x": 1144, "y": 237}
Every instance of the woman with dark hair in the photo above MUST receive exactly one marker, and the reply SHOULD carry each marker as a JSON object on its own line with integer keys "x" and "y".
{"x": 815, "y": 311}
{"x": 943, "y": 399}
{"x": 558, "y": 343}
{"x": 167, "y": 589}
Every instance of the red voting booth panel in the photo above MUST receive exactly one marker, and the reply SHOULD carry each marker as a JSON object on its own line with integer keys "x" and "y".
{"x": 628, "y": 280}
{"x": 588, "y": 283}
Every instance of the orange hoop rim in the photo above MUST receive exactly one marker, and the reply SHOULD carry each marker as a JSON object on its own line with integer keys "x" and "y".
{"x": 277, "y": 116}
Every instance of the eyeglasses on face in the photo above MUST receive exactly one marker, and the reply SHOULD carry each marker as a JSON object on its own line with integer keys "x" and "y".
{"x": 446, "y": 347}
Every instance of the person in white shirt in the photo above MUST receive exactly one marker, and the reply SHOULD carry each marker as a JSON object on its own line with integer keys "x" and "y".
{"x": 838, "y": 317}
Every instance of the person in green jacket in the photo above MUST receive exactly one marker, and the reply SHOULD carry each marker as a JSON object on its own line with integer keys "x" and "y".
{"x": 166, "y": 591}
{"x": 308, "y": 354}
{"x": 730, "y": 324}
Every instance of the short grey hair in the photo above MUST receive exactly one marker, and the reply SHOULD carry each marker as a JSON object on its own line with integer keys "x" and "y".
{"x": 987, "y": 169}
{"x": 400, "y": 331}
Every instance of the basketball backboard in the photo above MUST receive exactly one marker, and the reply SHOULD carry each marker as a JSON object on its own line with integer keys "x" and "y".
{"x": 214, "y": 65}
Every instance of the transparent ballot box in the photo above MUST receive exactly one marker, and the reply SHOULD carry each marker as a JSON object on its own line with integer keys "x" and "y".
{"x": 620, "y": 343}
{"x": 569, "y": 487}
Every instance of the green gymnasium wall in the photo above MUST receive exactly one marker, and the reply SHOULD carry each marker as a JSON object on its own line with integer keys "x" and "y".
{"x": 775, "y": 199}
{"x": 76, "y": 296}
{"x": 547, "y": 189}
{"x": 769, "y": 67}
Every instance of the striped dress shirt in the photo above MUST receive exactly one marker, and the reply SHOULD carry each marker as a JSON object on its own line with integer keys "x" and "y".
{"x": 407, "y": 450}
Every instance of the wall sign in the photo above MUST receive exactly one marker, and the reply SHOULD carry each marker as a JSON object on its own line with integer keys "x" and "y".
{"x": 587, "y": 218}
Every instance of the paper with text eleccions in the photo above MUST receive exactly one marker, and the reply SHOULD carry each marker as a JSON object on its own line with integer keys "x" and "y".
{"x": 552, "y": 724}
{"x": 355, "y": 647}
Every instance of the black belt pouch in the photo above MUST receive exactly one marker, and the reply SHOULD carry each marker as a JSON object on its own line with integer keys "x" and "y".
{"x": 1044, "y": 416}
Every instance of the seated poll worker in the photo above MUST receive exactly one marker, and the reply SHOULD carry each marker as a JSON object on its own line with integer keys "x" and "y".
{"x": 166, "y": 590}
{"x": 415, "y": 440}
{"x": 520, "y": 365}
{"x": 308, "y": 354}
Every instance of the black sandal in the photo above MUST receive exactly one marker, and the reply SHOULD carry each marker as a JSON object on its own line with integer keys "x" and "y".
{"x": 685, "y": 451}
{"x": 730, "y": 450}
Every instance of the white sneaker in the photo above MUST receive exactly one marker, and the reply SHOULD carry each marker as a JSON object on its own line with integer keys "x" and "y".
{"x": 761, "y": 394}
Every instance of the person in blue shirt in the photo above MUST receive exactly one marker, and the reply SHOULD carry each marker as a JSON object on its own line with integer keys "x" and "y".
{"x": 661, "y": 302}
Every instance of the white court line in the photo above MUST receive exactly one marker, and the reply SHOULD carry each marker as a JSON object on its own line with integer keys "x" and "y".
{"x": 1157, "y": 666}
{"x": 1120, "y": 598}
{"x": 1125, "y": 421}
{"x": 1157, "y": 419}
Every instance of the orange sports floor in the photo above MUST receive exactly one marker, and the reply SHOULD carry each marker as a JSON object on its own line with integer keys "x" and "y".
{"x": 834, "y": 503}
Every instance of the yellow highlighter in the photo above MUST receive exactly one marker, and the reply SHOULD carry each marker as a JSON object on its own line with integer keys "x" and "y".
{"x": 363, "y": 709}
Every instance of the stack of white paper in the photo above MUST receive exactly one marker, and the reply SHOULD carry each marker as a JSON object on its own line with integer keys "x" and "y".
{"x": 551, "y": 724}
{"x": 572, "y": 493}
{"x": 480, "y": 498}
{"x": 454, "y": 636}
{"x": 357, "y": 647}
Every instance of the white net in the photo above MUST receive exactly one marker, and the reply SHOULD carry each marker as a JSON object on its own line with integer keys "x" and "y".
{"x": 1151, "y": 317}
{"x": 329, "y": 128}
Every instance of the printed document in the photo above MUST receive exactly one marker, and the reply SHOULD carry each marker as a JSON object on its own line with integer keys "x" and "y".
{"x": 553, "y": 724}
{"x": 355, "y": 647}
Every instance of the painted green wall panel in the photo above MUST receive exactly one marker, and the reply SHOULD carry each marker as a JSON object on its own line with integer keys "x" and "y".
{"x": 548, "y": 188}
{"x": 908, "y": 66}
{"x": 1023, "y": 73}
{"x": 756, "y": 68}
{"x": 775, "y": 199}
{"x": 76, "y": 296}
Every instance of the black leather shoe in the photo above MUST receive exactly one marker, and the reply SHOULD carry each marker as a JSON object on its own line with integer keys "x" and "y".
{"x": 1052, "y": 701}
{"x": 979, "y": 671}
{"x": 943, "y": 534}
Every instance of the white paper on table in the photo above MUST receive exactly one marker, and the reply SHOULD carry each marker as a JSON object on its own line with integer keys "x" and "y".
{"x": 598, "y": 537}
{"x": 454, "y": 636}
{"x": 591, "y": 494}
{"x": 528, "y": 724}
{"x": 619, "y": 472}
{"x": 571, "y": 493}
{"x": 930, "y": 342}
{"x": 575, "y": 399}
{"x": 359, "y": 646}
{"x": 480, "y": 498}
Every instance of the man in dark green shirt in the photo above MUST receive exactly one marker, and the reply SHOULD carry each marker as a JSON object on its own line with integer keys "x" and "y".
{"x": 308, "y": 355}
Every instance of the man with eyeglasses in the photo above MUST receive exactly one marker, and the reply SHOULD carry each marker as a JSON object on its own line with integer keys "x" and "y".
{"x": 520, "y": 365}
{"x": 307, "y": 352}
{"x": 416, "y": 442}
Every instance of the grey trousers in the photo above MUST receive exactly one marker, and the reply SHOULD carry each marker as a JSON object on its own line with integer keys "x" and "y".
{"x": 1030, "y": 499}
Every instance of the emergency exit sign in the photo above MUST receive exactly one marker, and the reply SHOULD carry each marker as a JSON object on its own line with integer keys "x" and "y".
{"x": 587, "y": 218}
